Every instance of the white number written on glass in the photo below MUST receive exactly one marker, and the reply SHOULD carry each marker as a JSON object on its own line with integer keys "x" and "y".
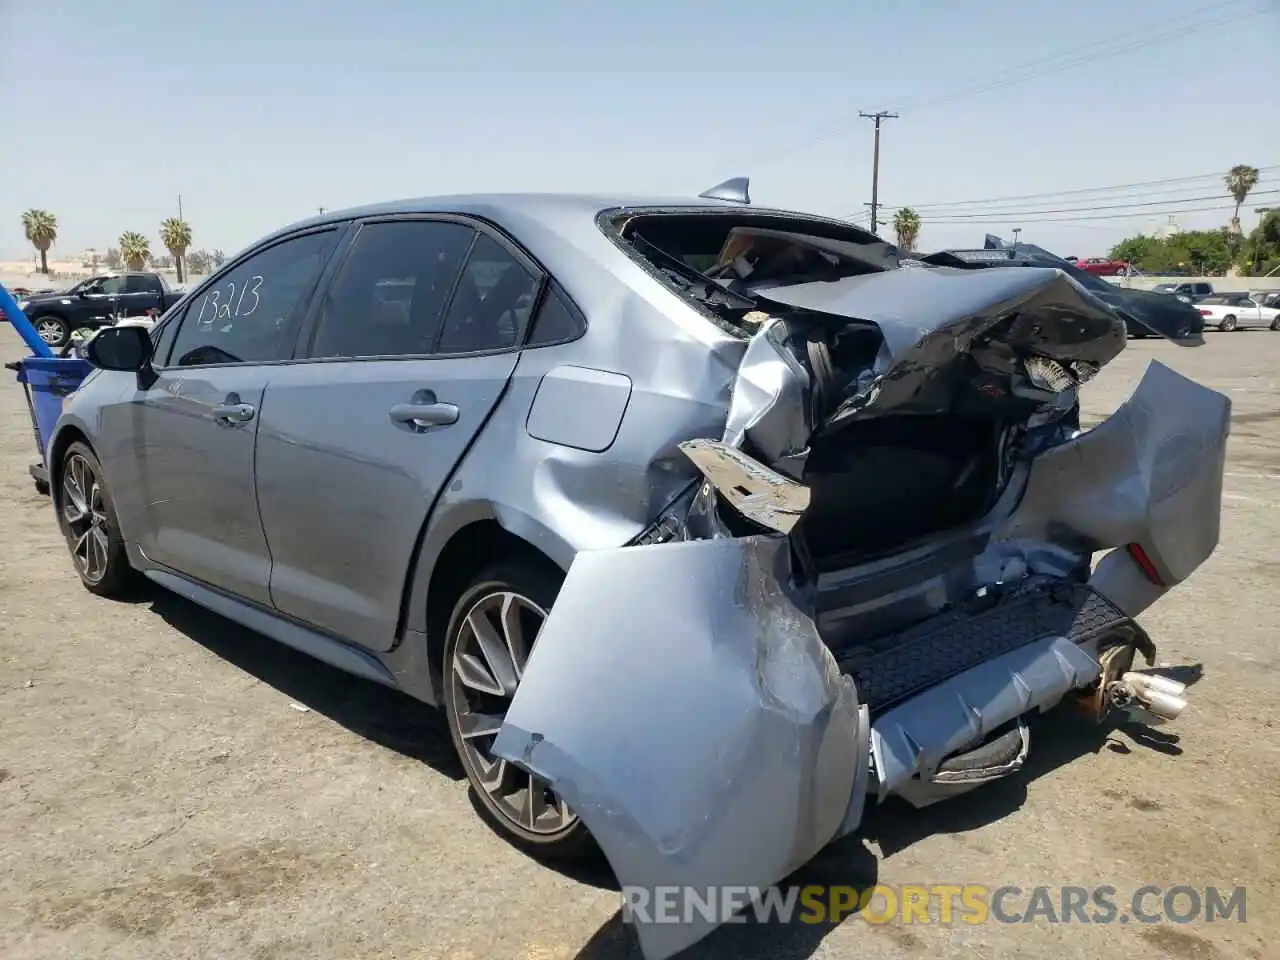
{"x": 221, "y": 304}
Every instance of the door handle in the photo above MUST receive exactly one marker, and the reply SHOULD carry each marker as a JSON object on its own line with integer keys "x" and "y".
{"x": 233, "y": 412}
{"x": 423, "y": 416}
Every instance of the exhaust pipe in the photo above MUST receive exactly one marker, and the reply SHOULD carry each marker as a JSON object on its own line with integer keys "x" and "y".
{"x": 1157, "y": 696}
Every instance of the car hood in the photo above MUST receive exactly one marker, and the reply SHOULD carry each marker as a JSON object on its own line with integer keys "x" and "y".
{"x": 1161, "y": 313}
{"x": 49, "y": 297}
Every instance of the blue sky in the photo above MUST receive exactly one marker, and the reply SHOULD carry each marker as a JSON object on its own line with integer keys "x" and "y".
{"x": 259, "y": 112}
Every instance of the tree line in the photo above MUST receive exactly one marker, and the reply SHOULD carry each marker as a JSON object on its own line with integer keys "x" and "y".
{"x": 1212, "y": 252}
{"x": 133, "y": 250}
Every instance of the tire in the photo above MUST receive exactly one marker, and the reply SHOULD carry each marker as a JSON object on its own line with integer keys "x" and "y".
{"x": 52, "y": 329}
{"x": 1275, "y": 324}
{"x": 87, "y": 518}
{"x": 1228, "y": 324}
{"x": 520, "y": 592}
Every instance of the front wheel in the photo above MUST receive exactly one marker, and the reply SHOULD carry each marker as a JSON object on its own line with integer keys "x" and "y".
{"x": 88, "y": 521}
{"x": 491, "y": 634}
{"x": 1275, "y": 324}
{"x": 1228, "y": 324}
{"x": 54, "y": 331}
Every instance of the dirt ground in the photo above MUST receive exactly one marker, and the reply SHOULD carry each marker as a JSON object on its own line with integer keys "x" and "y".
{"x": 172, "y": 785}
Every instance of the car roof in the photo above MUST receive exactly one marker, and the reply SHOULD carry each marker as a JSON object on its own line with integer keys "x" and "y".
{"x": 561, "y": 212}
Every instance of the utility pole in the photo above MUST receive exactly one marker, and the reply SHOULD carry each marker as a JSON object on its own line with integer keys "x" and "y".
{"x": 321, "y": 209}
{"x": 878, "y": 116}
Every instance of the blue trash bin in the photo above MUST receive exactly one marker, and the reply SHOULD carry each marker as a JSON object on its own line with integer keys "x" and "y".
{"x": 47, "y": 381}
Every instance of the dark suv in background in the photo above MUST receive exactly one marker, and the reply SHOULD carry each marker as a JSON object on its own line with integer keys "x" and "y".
{"x": 1145, "y": 313}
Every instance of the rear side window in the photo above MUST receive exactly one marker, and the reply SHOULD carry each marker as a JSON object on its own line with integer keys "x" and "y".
{"x": 557, "y": 321}
{"x": 139, "y": 283}
{"x": 248, "y": 314}
{"x": 490, "y": 309}
{"x": 388, "y": 299}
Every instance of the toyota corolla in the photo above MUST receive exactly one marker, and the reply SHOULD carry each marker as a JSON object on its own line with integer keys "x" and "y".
{"x": 702, "y": 522}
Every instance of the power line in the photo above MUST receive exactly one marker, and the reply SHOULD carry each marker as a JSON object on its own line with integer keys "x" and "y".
{"x": 1051, "y": 195}
{"x": 1169, "y": 29}
{"x": 1085, "y": 194}
{"x": 1003, "y": 218}
{"x": 1105, "y": 206}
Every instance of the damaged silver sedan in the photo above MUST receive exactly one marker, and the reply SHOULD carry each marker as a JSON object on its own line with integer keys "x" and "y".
{"x": 706, "y": 524}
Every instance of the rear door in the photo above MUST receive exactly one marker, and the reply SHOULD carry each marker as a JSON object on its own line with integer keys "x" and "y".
{"x": 405, "y": 356}
{"x": 141, "y": 294}
{"x": 194, "y": 429}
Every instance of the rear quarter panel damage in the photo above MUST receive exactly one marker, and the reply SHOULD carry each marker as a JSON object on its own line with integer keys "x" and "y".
{"x": 682, "y": 700}
{"x": 704, "y": 733}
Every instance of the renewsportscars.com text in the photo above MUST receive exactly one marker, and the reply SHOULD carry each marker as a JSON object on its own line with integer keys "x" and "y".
{"x": 940, "y": 903}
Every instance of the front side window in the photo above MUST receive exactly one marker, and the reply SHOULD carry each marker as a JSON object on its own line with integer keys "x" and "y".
{"x": 247, "y": 314}
{"x": 109, "y": 286}
{"x": 491, "y": 306}
{"x": 388, "y": 299}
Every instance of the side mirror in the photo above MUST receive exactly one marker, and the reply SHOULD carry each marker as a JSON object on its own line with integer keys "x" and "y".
{"x": 120, "y": 348}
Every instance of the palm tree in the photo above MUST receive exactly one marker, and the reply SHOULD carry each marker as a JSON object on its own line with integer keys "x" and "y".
{"x": 41, "y": 228}
{"x": 906, "y": 223}
{"x": 135, "y": 250}
{"x": 1240, "y": 181}
{"x": 175, "y": 234}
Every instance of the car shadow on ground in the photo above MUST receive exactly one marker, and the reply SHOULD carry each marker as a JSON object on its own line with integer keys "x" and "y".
{"x": 379, "y": 714}
{"x": 1057, "y": 738}
{"x": 398, "y": 722}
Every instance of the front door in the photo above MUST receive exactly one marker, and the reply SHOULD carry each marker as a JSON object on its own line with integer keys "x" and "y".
{"x": 102, "y": 297}
{"x": 406, "y": 358}
{"x": 195, "y": 429}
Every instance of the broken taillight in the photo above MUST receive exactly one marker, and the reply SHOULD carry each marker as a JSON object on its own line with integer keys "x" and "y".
{"x": 1144, "y": 563}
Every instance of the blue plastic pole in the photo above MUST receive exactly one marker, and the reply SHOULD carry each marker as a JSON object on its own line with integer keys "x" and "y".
{"x": 20, "y": 323}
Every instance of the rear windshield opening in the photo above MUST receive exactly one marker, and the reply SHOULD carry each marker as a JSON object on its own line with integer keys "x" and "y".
{"x": 718, "y": 259}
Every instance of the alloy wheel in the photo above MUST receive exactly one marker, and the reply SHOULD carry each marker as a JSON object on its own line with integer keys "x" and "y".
{"x": 85, "y": 515}
{"x": 50, "y": 331}
{"x": 493, "y": 644}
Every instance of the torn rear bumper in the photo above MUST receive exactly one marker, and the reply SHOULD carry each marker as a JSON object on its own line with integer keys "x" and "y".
{"x": 682, "y": 701}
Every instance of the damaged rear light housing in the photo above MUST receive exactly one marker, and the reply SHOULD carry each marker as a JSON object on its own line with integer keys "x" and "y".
{"x": 1144, "y": 563}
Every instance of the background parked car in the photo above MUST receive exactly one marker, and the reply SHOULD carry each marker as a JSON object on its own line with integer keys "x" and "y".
{"x": 98, "y": 302}
{"x": 1145, "y": 313}
{"x": 1237, "y": 310}
{"x": 1103, "y": 266}
{"x": 1187, "y": 292}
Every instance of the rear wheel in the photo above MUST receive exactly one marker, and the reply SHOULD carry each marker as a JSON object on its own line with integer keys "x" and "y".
{"x": 88, "y": 521}
{"x": 52, "y": 330}
{"x": 491, "y": 633}
{"x": 1228, "y": 324}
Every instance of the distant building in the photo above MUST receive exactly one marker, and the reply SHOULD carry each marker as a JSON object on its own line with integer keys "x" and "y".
{"x": 1166, "y": 230}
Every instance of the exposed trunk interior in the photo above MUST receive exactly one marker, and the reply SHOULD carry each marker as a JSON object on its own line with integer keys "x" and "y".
{"x": 880, "y": 484}
{"x": 921, "y": 381}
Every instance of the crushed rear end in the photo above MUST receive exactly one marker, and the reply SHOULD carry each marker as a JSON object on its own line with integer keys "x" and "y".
{"x": 888, "y": 566}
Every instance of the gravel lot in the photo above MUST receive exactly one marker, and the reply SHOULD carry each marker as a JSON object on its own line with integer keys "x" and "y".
{"x": 162, "y": 794}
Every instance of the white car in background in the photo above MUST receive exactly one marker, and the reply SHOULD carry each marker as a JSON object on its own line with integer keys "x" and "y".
{"x": 1231, "y": 310}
